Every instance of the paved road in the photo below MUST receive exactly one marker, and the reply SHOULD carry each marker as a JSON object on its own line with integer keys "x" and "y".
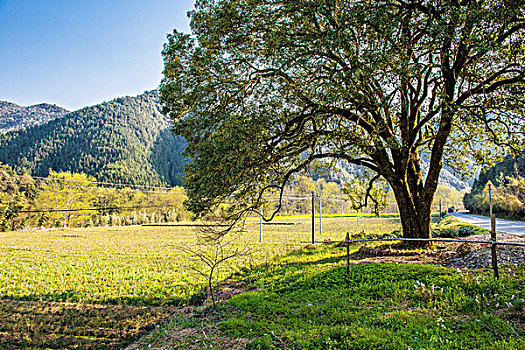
{"x": 513, "y": 227}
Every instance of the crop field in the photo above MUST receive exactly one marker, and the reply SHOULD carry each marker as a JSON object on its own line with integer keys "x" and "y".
{"x": 99, "y": 288}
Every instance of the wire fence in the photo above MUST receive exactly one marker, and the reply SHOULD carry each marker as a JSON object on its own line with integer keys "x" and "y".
{"x": 493, "y": 242}
{"x": 317, "y": 205}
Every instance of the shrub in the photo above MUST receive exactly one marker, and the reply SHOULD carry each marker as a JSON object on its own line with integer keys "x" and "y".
{"x": 445, "y": 233}
{"x": 466, "y": 230}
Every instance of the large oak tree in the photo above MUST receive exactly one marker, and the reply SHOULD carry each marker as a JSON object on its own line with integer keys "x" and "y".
{"x": 262, "y": 88}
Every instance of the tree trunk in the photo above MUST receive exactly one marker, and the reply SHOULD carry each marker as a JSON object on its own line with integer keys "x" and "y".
{"x": 415, "y": 216}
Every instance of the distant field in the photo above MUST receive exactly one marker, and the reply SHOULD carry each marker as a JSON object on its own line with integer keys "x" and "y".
{"x": 98, "y": 288}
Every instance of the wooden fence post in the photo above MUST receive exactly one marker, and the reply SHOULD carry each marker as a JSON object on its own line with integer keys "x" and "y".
{"x": 493, "y": 245}
{"x": 347, "y": 254}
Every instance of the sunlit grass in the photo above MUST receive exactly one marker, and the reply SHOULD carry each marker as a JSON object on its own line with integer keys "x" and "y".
{"x": 98, "y": 288}
{"x": 306, "y": 300}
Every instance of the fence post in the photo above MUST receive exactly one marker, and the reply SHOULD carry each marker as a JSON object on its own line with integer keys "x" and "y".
{"x": 260, "y": 224}
{"x": 313, "y": 217}
{"x": 347, "y": 254}
{"x": 320, "y": 217}
{"x": 493, "y": 245}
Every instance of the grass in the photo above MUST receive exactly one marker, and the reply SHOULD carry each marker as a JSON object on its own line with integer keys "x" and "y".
{"x": 451, "y": 227}
{"x": 378, "y": 306}
{"x": 305, "y": 300}
{"x": 100, "y": 288}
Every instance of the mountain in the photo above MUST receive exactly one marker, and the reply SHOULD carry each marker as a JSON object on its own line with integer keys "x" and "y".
{"x": 343, "y": 172}
{"x": 13, "y": 116}
{"x": 447, "y": 177}
{"x": 127, "y": 140}
{"x": 509, "y": 167}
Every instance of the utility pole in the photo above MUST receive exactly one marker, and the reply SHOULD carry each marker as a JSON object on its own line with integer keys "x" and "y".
{"x": 320, "y": 217}
{"x": 493, "y": 248}
{"x": 260, "y": 224}
{"x": 313, "y": 217}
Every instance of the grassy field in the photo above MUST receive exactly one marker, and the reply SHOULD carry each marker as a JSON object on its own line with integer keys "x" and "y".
{"x": 99, "y": 288}
{"x": 305, "y": 300}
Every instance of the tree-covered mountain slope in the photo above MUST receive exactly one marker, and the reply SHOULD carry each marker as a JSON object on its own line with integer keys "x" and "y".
{"x": 127, "y": 140}
{"x": 508, "y": 196}
{"x": 13, "y": 116}
{"x": 509, "y": 167}
{"x": 343, "y": 172}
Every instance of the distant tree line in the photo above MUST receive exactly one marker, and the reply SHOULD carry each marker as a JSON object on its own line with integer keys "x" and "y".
{"x": 347, "y": 197}
{"x": 73, "y": 200}
{"x": 66, "y": 199}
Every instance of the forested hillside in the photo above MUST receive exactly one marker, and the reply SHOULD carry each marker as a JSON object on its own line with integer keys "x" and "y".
{"x": 13, "y": 116}
{"x": 343, "y": 172}
{"x": 127, "y": 140}
{"x": 508, "y": 195}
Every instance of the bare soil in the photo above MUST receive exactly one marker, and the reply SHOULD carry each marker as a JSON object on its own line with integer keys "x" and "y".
{"x": 464, "y": 255}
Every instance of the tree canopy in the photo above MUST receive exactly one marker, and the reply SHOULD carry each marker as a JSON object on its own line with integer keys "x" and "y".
{"x": 261, "y": 89}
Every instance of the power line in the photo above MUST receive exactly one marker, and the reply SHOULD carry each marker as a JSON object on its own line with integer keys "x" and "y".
{"x": 118, "y": 189}
{"x": 95, "y": 182}
{"x": 94, "y": 209}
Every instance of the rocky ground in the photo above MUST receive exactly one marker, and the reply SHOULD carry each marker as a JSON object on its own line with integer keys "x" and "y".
{"x": 479, "y": 255}
{"x": 463, "y": 255}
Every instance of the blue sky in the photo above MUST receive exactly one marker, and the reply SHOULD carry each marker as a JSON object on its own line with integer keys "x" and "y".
{"x": 77, "y": 53}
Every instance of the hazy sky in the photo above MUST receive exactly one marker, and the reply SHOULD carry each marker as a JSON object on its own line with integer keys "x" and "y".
{"x": 77, "y": 53}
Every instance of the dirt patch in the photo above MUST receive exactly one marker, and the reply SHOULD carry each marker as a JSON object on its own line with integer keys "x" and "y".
{"x": 464, "y": 255}
{"x": 56, "y": 325}
{"x": 194, "y": 327}
{"x": 469, "y": 255}
{"x": 191, "y": 328}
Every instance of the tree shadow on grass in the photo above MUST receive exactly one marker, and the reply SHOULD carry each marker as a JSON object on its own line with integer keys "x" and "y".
{"x": 56, "y": 325}
{"x": 72, "y": 296}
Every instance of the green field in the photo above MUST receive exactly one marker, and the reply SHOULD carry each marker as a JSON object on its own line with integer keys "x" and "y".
{"x": 307, "y": 301}
{"x": 98, "y": 288}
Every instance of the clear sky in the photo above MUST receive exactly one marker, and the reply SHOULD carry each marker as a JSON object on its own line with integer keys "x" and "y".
{"x": 76, "y": 53}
